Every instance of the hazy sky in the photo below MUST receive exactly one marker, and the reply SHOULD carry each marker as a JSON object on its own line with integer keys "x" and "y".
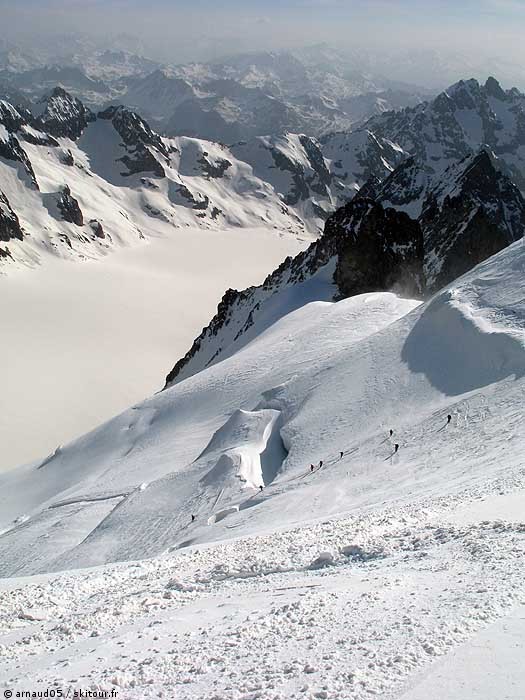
{"x": 178, "y": 29}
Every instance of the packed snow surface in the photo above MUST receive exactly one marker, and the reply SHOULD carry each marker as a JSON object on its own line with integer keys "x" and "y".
{"x": 371, "y": 572}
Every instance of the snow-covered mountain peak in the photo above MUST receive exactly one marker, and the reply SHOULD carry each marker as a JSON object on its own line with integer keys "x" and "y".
{"x": 10, "y": 117}
{"x": 465, "y": 93}
{"x": 135, "y": 132}
{"x": 61, "y": 114}
{"x": 122, "y": 172}
{"x": 494, "y": 89}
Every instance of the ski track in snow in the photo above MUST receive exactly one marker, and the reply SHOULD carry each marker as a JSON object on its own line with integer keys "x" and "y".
{"x": 367, "y": 577}
{"x": 250, "y": 618}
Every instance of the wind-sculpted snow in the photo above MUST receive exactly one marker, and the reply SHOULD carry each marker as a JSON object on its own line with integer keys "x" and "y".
{"x": 403, "y": 587}
{"x": 324, "y": 379}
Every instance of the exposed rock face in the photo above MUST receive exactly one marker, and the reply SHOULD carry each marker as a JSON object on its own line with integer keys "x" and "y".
{"x": 9, "y": 222}
{"x": 10, "y": 149}
{"x": 97, "y": 228}
{"x": 376, "y": 248}
{"x": 314, "y": 178}
{"x": 66, "y": 157}
{"x": 295, "y": 166}
{"x": 10, "y": 117}
{"x": 369, "y": 248}
{"x": 197, "y": 202}
{"x": 63, "y": 115}
{"x": 37, "y": 138}
{"x": 360, "y": 156}
{"x": 435, "y": 134}
{"x": 466, "y": 214}
{"x": 11, "y": 121}
{"x": 69, "y": 207}
{"x": 140, "y": 141}
{"x": 405, "y": 188}
{"x": 460, "y": 218}
{"x": 215, "y": 168}
{"x": 474, "y": 213}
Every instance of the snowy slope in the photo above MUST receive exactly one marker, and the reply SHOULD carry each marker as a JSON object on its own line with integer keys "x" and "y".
{"x": 336, "y": 386}
{"x": 347, "y": 581}
{"x": 107, "y": 331}
{"x": 296, "y": 168}
{"x": 357, "y": 156}
{"x": 372, "y": 244}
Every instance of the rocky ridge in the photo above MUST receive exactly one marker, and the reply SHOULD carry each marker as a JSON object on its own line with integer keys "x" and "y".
{"x": 413, "y": 234}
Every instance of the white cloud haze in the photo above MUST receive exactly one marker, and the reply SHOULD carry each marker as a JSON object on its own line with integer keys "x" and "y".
{"x": 174, "y": 31}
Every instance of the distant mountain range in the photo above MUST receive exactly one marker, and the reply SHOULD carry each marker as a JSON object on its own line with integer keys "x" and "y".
{"x": 239, "y": 97}
{"x": 436, "y": 190}
{"x": 76, "y": 182}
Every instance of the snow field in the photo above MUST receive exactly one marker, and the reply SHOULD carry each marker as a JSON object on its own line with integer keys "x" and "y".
{"x": 250, "y": 619}
{"x": 345, "y": 583}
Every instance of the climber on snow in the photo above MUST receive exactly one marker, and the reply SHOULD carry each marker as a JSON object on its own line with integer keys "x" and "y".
{"x": 391, "y": 432}
{"x": 312, "y": 467}
{"x": 449, "y": 418}
{"x": 396, "y": 448}
{"x": 320, "y": 464}
{"x": 261, "y": 487}
{"x": 341, "y": 454}
{"x": 192, "y": 518}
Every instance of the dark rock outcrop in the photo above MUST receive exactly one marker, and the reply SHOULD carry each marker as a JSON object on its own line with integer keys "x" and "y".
{"x": 467, "y": 213}
{"x": 474, "y": 213}
{"x": 214, "y": 169}
{"x": 140, "y": 141}
{"x": 69, "y": 207}
{"x": 66, "y": 157}
{"x": 200, "y": 202}
{"x": 97, "y": 228}
{"x": 377, "y": 249}
{"x": 63, "y": 115}
{"x": 10, "y": 149}
{"x": 10, "y": 117}
{"x": 9, "y": 223}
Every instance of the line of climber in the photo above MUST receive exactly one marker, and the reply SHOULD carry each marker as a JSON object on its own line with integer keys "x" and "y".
{"x": 314, "y": 468}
